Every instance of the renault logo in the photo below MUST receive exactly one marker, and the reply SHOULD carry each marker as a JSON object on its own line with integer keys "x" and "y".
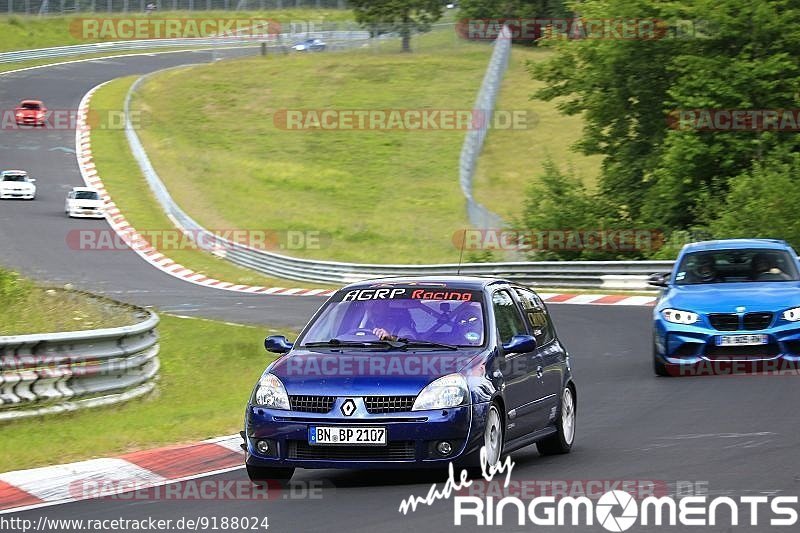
{"x": 348, "y": 407}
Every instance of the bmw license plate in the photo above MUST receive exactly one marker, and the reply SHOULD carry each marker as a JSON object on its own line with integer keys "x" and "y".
{"x": 742, "y": 340}
{"x": 341, "y": 435}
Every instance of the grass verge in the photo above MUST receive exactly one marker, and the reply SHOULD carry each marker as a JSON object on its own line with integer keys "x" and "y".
{"x": 384, "y": 196}
{"x": 25, "y": 32}
{"x": 27, "y": 308}
{"x": 512, "y": 158}
{"x": 124, "y": 182}
{"x": 208, "y": 369}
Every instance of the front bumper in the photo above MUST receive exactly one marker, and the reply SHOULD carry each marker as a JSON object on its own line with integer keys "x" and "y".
{"x": 692, "y": 349}
{"x": 411, "y": 436}
{"x": 87, "y": 213}
{"x": 22, "y": 195}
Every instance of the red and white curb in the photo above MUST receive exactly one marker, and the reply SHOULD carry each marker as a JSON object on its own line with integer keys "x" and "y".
{"x": 128, "y": 234}
{"x": 108, "y": 477}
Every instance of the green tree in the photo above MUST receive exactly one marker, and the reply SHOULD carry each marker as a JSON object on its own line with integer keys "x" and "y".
{"x": 763, "y": 202}
{"x": 403, "y": 16}
{"x": 513, "y": 9}
{"x": 707, "y": 54}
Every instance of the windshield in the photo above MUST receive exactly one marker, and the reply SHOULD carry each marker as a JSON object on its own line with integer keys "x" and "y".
{"x": 428, "y": 314}
{"x": 28, "y": 105}
{"x": 14, "y": 177}
{"x": 86, "y": 195}
{"x": 730, "y": 266}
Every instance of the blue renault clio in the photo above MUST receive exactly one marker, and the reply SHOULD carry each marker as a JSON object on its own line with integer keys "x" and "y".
{"x": 728, "y": 306}
{"x": 413, "y": 372}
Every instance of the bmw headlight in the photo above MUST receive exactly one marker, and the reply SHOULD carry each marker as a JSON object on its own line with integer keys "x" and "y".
{"x": 677, "y": 316}
{"x": 447, "y": 391}
{"x": 792, "y": 315}
{"x": 271, "y": 393}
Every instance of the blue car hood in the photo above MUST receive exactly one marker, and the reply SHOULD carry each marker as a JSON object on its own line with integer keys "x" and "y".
{"x": 358, "y": 373}
{"x": 726, "y": 297}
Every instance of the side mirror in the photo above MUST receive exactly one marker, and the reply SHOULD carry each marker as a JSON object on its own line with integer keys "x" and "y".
{"x": 520, "y": 344}
{"x": 277, "y": 344}
{"x": 658, "y": 279}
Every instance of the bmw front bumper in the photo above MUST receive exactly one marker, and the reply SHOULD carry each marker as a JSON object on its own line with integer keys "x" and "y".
{"x": 693, "y": 349}
{"x": 412, "y": 438}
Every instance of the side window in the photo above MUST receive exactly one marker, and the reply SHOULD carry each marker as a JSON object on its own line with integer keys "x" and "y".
{"x": 509, "y": 322}
{"x": 537, "y": 316}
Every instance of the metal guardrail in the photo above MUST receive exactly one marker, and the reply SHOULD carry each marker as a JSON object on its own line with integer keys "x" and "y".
{"x": 62, "y": 7}
{"x": 620, "y": 275}
{"x": 58, "y": 372}
{"x": 479, "y": 215}
{"x": 334, "y": 39}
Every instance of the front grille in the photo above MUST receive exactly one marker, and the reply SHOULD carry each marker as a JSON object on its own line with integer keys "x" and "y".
{"x": 312, "y": 404}
{"x": 724, "y": 321}
{"x": 394, "y": 451}
{"x": 388, "y": 404}
{"x": 757, "y": 320}
{"x": 761, "y": 351}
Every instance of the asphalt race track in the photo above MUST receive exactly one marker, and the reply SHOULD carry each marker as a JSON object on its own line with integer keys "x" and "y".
{"x": 33, "y": 235}
{"x": 736, "y": 436}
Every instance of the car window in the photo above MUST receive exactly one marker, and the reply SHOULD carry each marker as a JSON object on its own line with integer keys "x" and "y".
{"x": 30, "y": 106}
{"x": 506, "y": 314}
{"x": 736, "y": 265}
{"x": 537, "y": 316}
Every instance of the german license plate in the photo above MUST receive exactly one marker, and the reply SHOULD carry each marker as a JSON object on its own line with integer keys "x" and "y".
{"x": 742, "y": 340}
{"x": 341, "y": 435}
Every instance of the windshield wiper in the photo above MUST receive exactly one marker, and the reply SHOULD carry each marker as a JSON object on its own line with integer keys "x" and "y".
{"x": 405, "y": 343}
{"x": 336, "y": 343}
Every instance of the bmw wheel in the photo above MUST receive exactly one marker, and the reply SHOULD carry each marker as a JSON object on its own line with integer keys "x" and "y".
{"x": 561, "y": 441}
{"x": 658, "y": 366}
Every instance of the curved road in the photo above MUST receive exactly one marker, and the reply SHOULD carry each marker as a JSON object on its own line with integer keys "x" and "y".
{"x": 33, "y": 235}
{"x": 733, "y": 436}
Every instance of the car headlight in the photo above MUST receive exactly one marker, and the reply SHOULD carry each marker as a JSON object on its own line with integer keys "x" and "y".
{"x": 677, "y": 316}
{"x": 447, "y": 391}
{"x": 792, "y": 315}
{"x": 271, "y": 393}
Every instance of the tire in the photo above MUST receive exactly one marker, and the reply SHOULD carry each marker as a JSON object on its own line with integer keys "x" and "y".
{"x": 658, "y": 366}
{"x": 561, "y": 441}
{"x": 261, "y": 474}
{"x": 493, "y": 435}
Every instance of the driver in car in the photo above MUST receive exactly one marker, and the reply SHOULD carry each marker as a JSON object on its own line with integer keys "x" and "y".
{"x": 402, "y": 325}
{"x": 705, "y": 270}
{"x": 765, "y": 269}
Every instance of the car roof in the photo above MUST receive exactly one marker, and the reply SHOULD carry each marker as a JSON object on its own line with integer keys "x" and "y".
{"x": 83, "y": 189}
{"x": 455, "y": 282}
{"x": 735, "y": 244}
{"x": 13, "y": 172}
{"x": 31, "y": 102}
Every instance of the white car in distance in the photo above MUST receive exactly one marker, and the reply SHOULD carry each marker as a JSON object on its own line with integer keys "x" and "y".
{"x": 84, "y": 202}
{"x": 17, "y": 184}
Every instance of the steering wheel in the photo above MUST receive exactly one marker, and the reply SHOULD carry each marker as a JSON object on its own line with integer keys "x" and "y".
{"x": 363, "y": 331}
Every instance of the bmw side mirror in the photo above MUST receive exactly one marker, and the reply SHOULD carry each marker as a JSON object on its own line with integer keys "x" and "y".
{"x": 277, "y": 344}
{"x": 658, "y": 279}
{"x": 520, "y": 344}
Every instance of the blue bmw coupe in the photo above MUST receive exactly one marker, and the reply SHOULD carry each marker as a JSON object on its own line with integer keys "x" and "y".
{"x": 728, "y": 306}
{"x": 413, "y": 372}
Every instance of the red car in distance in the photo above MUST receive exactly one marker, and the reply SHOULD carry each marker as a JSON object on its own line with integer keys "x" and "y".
{"x": 31, "y": 112}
